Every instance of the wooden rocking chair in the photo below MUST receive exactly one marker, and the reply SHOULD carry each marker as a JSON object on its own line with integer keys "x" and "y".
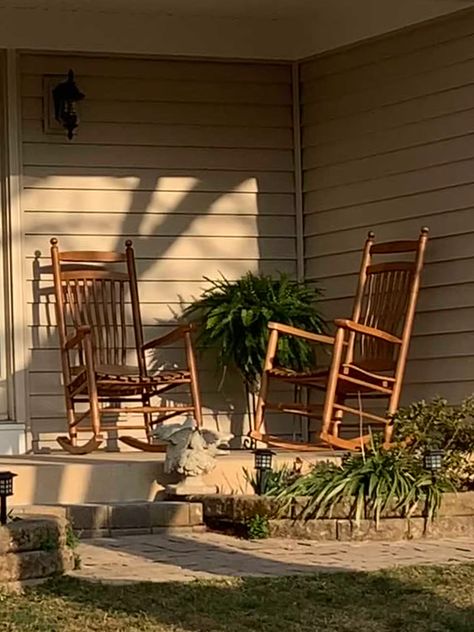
{"x": 368, "y": 356}
{"x": 93, "y": 325}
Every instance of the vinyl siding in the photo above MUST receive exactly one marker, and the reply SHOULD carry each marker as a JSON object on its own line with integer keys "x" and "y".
{"x": 388, "y": 145}
{"x": 191, "y": 160}
{"x": 5, "y": 378}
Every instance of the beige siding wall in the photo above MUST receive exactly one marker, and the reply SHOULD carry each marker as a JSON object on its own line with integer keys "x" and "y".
{"x": 192, "y": 160}
{"x": 388, "y": 144}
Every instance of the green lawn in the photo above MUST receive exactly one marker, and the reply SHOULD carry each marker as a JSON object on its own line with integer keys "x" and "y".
{"x": 414, "y": 599}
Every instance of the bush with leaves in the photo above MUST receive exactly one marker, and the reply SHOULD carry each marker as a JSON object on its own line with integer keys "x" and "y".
{"x": 257, "y": 528}
{"x": 369, "y": 485}
{"x": 437, "y": 425}
{"x": 233, "y": 317}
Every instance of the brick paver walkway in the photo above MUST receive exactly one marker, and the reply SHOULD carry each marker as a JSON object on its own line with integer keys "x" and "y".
{"x": 186, "y": 556}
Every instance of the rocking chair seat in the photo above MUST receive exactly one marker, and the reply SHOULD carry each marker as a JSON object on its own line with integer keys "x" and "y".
{"x": 315, "y": 378}
{"x": 126, "y": 380}
{"x": 319, "y": 377}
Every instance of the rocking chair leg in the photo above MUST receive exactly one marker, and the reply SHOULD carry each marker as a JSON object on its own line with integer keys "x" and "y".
{"x": 337, "y": 416}
{"x": 147, "y": 419}
{"x": 194, "y": 386}
{"x": 69, "y": 443}
{"x": 262, "y": 396}
{"x": 328, "y": 412}
{"x": 71, "y": 418}
{"x": 392, "y": 408}
{"x": 260, "y": 412}
{"x": 94, "y": 410}
{"x": 95, "y": 415}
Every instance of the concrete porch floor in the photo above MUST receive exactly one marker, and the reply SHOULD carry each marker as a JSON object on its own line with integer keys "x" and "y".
{"x": 101, "y": 477}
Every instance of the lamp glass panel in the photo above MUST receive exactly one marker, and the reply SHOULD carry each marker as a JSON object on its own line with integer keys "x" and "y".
{"x": 263, "y": 459}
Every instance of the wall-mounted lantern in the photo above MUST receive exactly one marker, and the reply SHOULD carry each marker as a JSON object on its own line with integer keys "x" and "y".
{"x": 65, "y": 96}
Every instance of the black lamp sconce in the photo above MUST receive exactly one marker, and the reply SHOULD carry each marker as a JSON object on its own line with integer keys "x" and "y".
{"x": 65, "y": 96}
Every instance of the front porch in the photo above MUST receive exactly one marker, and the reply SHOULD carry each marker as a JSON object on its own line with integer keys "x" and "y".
{"x": 104, "y": 477}
{"x": 278, "y": 154}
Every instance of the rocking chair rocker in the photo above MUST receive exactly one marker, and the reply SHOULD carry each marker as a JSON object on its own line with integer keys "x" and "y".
{"x": 94, "y": 325}
{"x": 369, "y": 353}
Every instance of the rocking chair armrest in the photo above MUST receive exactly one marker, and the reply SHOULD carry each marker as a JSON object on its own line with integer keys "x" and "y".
{"x": 176, "y": 334}
{"x": 76, "y": 339}
{"x": 301, "y": 333}
{"x": 350, "y": 325}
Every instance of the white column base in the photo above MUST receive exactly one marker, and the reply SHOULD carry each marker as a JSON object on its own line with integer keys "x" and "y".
{"x": 12, "y": 439}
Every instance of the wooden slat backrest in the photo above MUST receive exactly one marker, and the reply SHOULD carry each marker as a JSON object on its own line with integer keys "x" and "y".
{"x": 89, "y": 292}
{"x": 385, "y": 299}
{"x": 91, "y": 256}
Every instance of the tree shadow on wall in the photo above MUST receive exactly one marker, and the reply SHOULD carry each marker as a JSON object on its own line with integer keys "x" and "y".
{"x": 156, "y": 232}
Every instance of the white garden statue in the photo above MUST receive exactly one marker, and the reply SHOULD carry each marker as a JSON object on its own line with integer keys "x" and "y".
{"x": 191, "y": 453}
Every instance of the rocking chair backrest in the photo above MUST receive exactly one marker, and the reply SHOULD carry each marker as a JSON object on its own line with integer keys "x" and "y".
{"x": 386, "y": 299}
{"x": 89, "y": 292}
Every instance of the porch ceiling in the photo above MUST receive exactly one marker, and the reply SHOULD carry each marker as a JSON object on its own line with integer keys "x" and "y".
{"x": 274, "y": 29}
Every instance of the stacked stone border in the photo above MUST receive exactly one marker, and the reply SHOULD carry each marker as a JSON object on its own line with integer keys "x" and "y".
{"x": 34, "y": 548}
{"x": 117, "y": 519}
{"x": 455, "y": 519}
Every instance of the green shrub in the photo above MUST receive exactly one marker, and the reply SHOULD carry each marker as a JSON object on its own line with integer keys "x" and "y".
{"x": 438, "y": 425}
{"x": 257, "y": 528}
{"x": 72, "y": 540}
{"x": 232, "y": 317}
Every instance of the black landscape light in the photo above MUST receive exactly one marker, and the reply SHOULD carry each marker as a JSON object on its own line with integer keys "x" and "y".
{"x": 6, "y": 489}
{"x": 433, "y": 460}
{"x": 263, "y": 465}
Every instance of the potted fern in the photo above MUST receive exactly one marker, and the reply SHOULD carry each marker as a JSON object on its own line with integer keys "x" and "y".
{"x": 232, "y": 318}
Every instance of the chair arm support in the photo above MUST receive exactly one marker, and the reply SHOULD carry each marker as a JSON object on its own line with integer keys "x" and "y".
{"x": 76, "y": 339}
{"x": 176, "y": 334}
{"x": 350, "y": 325}
{"x": 301, "y": 333}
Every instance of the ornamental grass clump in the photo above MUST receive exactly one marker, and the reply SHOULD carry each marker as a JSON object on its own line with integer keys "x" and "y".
{"x": 383, "y": 479}
{"x": 232, "y": 317}
{"x": 369, "y": 486}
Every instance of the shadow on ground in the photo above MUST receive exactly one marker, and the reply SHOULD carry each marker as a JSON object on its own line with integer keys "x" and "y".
{"x": 409, "y": 600}
{"x": 130, "y": 558}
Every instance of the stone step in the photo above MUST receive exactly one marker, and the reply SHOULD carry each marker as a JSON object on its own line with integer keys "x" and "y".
{"x": 126, "y": 518}
{"x": 33, "y": 548}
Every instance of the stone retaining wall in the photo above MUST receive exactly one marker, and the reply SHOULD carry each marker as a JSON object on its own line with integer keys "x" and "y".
{"x": 128, "y": 518}
{"x": 33, "y": 548}
{"x": 455, "y": 519}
